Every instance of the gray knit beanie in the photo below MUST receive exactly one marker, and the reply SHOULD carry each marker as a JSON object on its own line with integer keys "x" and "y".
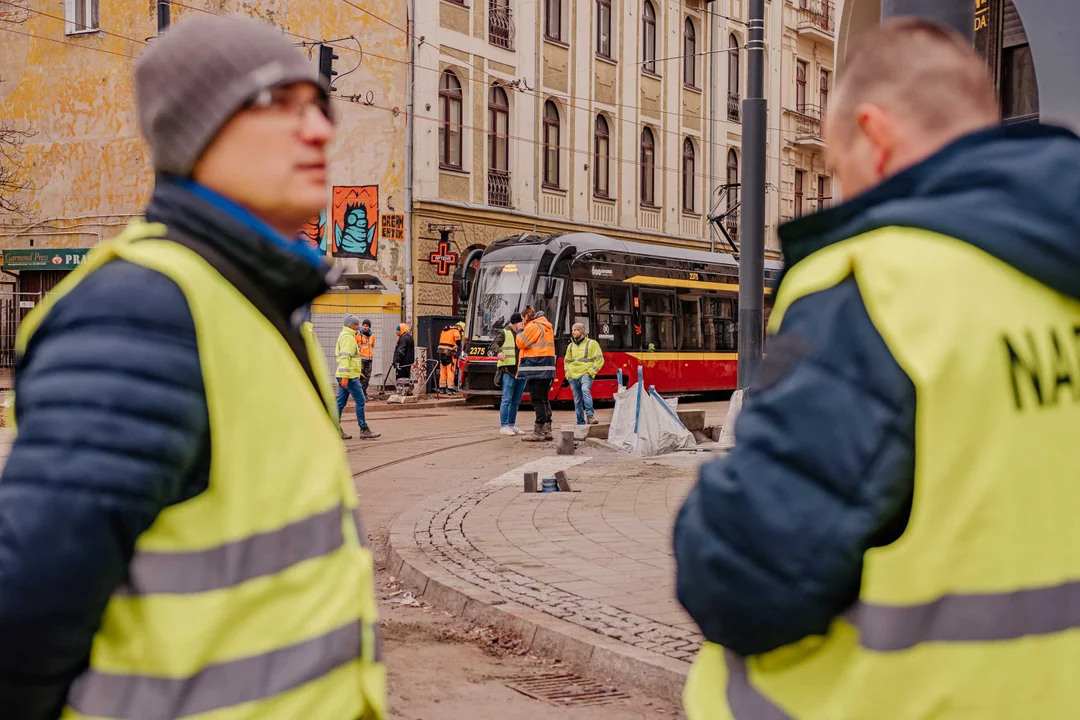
{"x": 351, "y": 320}
{"x": 190, "y": 81}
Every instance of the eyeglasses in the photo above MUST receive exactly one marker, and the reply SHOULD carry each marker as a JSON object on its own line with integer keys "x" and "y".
{"x": 286, "y": 101}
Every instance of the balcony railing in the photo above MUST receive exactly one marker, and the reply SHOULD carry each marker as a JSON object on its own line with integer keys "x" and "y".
{"x": 731, "y": 224}
{"x": 734, "y": 107}
{"x": 500, "y": 25}
{"x": 817, "y": 15}
{"x": 499, "y": 188}
{"x": 808, "y": 122}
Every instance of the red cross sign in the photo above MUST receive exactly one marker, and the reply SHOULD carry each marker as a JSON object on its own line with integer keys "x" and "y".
{"x": 444, "y": 259}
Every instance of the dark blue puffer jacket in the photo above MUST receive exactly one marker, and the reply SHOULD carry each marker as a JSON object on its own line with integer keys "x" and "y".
{"x": 769, "y": 544}
{"x": 113, "y": 427}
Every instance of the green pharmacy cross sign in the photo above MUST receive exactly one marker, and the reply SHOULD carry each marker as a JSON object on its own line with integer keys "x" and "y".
{"x": 43, "y": 259}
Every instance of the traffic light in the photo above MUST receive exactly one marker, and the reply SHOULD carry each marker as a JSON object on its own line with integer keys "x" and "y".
{"x": 327, "y": 56}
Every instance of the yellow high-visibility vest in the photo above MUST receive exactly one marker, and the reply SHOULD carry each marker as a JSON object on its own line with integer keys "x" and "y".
{"x": 973, "y": 612}
{"x": 253, "y": 599}
{"x": 349, "y": 362}
{"x": 585, "y": 358}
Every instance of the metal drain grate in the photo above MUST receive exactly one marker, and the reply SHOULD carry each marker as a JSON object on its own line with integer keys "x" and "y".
{"x": 563, "y": 689}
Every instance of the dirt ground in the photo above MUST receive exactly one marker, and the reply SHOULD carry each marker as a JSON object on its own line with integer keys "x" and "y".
{"x": 441, "y": 668}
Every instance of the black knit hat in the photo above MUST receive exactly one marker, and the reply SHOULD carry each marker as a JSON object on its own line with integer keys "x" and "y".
{"x": 366, "y": 322}
{"x": 515, "y": 318}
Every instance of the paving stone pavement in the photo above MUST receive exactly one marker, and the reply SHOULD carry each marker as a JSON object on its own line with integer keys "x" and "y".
{"x": 600, "y": 558}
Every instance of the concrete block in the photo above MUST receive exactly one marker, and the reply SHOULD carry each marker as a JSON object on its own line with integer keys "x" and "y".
{"x": 580, "y": 431}
{"x": 692, "y": 419}
{"x": 564, "y": 482}
{"x": 599, "y": 431}
{"x": 565, "y": 445}
{"x": 530, "y": 482}
{"x": 403, "y": 399}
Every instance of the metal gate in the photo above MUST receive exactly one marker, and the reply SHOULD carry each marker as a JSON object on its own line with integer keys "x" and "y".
{"x": 14, "y": 307}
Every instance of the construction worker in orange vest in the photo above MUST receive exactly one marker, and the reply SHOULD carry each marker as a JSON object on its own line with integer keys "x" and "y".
{"x": 365, "y": 343}
{"x": 536, "y": 365}
{"x": 448, "y": 350}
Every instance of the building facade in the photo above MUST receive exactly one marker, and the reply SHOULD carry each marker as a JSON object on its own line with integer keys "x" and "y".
{"x": 562, "y": 115}
{"x": 617, "y": 116}
{"x": 66, "y": 78}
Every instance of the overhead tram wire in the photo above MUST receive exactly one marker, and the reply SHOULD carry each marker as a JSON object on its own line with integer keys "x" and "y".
{"x": 392, "y": 110}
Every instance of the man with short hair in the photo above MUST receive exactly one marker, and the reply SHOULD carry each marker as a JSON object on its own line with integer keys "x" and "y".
{"x": 892, "y": 535}
{"x": 350, "y": 374}
{"x": 365, "y": 342}
{"x": 178, "y": 528}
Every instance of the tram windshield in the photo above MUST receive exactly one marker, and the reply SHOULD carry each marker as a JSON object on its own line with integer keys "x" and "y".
{"x": 501, "y": 290}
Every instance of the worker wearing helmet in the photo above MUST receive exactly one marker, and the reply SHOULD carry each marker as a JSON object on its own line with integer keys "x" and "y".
{"x": 449, "y": 348}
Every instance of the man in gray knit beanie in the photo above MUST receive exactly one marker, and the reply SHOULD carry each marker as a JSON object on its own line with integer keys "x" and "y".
{"x": 229, "y": 103}
{"x": 192, "y": 452}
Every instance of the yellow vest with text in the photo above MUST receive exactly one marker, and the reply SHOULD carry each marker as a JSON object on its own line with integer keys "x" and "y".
{"x": 254, "y": 599}
{"x": 974, "y": 613}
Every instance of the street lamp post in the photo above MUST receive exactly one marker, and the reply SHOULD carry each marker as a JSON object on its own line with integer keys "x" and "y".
{"x": 752, "y": 248}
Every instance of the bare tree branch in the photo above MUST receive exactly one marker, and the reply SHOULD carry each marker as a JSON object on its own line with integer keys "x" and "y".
{"x": 14, "y": 169}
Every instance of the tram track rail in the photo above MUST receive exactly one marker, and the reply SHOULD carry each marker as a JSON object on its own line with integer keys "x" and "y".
{"x": 425, "y": 453}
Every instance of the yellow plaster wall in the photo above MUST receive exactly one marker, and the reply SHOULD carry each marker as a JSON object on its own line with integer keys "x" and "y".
{"x": 89, "y": 166}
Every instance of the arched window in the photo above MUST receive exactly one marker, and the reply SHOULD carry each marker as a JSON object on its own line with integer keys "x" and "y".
{"x": 450, "y": 121}
{"x": 648, "y": 38}
{"x": 689, "y": 54}
{"x": 648, "y": 167}
{"x": 734, "y": 109}
{"x": 688, "y": 175}
{"x": 602, "y": 161}
{"x": 498, "y": 148}
{"x": 551, "y": 145}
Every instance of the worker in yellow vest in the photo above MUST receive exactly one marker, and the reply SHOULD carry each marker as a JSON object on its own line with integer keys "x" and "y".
{"x": 893, "y": 536}
{"x": 350, "y": 376}
{"x": 178, "y": 523}
{"x": 365, "y": 342}
{"x": 582, "y": 363}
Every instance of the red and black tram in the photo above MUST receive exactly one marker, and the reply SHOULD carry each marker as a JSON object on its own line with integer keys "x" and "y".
{"x": 672, "y": 311}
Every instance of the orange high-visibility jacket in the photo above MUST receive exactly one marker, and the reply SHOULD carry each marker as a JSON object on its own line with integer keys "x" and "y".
{"x": 366, "y": 345}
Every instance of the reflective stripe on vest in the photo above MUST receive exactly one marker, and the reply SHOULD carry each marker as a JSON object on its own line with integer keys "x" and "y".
{"x": 231, "y": 564}
{"x": 977, "y": 586}
{"x": 220, "y": 686}
{"x": 217, "y": 610}
{"x": 366, "y": 345}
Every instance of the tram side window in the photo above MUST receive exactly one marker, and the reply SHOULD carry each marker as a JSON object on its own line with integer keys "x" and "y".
{"x": 690, "y": 323}
{"x": 721, "y": 328}
{"x": 614, "y": 323}
{"x": 580, "y": 304}
{"x": 658, "y": 309}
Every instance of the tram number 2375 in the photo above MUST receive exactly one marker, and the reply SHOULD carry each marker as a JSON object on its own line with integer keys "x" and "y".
{"x": 478, "y": 350}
